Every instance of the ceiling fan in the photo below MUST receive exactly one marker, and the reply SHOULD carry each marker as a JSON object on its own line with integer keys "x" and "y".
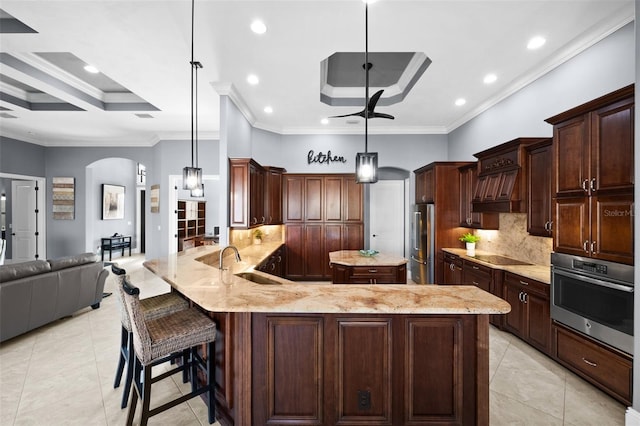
{"x": 369, "y": 112}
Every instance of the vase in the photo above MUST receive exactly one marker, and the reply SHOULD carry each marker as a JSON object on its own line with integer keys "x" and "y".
{"x": 471, "y": 249}
{"x": 257, "y": 241}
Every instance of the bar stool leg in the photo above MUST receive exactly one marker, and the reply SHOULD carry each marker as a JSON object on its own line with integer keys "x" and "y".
{"x": 211, "y": 381}
{"x": 124, "y": 336}
{"x": 131, "y": 360}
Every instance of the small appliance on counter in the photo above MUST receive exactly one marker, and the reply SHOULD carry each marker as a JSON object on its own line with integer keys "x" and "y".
{"x": 422, "y": 244}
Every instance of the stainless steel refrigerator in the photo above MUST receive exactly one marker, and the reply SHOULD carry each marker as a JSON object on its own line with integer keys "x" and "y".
{"x": 422, "y": 244}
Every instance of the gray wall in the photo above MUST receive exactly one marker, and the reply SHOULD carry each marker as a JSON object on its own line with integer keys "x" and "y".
{"x": 21, "y": 158}
{"x": 607, "y": 66}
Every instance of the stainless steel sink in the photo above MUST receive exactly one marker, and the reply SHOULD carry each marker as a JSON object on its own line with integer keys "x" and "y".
{"x": 258, "y": 279}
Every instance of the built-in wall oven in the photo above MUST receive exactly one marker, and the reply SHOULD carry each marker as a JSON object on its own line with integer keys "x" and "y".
{"x": 594, "y": 297}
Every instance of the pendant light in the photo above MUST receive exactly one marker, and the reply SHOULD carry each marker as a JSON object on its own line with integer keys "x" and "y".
{"x": 366, "y": 162}
{"x": 192, "y": 176}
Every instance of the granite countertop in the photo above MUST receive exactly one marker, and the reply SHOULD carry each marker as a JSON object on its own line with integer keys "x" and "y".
{"x": 190, "y": 273}
{"x": 354, "y": 258}
{"x": 537, "y": 272}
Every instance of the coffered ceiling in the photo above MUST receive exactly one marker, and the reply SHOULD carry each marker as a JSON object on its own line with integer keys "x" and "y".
{"x": 141, "y": 49}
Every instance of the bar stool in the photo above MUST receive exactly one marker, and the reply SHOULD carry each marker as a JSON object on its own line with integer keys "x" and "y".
{"x": 152, "y": 307}
{"x": 162, "y": 339}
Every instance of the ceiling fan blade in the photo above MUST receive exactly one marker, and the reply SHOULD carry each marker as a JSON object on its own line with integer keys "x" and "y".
{"x": 360, "y": 113}
{"x": 374, "y": 100}
{"x": 381, "y": 115}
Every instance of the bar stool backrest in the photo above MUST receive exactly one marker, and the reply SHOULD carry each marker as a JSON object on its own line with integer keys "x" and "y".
{"x": 141, "y": 339}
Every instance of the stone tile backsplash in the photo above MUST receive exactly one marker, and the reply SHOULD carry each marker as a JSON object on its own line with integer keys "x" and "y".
{"x": 513, "y": 240}
{"x": 242, "y": 238}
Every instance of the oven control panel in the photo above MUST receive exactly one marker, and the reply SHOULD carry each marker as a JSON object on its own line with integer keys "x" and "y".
{"x": 590, "y": 267}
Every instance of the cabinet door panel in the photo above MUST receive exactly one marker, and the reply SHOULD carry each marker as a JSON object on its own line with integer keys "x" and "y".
{"x": 289, "y": 344}
{"x": 294, "y": 198}
{"x": 492, "y": 186}
{"x": 239, "y": 194}
{"x": 333, "y": 188}
{"x": 539, "y": 322}
{"x": 358, "y": 373}
{"x": 514, "y": 320}
{"x": 332, "y": 242}
{"x": 294, "y": 244}
{"x": 612, "y": 228}
{"x": 352, "y": 205}
{"x": 571, "y": 153}
{"x": 353, "y": 236}
{"x": 314, "y": 252}
{"x": 313, "y": 198}
{"x": 571, "y": 219}
{"x": 539, "y": 191}
{"x": 612, "y": 146}
{"x": 507, "y": 181}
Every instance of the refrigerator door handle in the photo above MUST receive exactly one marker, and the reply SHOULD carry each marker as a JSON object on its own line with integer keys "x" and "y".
{"x": 417, "y": 220}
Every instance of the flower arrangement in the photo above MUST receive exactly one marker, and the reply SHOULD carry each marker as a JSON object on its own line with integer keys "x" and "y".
{"x": 258, "y": 234}
{"x": 469, "y": 238}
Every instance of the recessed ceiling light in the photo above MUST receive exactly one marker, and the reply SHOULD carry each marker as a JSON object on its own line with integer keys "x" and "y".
{"x": 268, "y": 109}
{"x": 324, "y": 121}
{"x": 490, "y": 78}
{"x": 258, "y": 27}
{"x": 536, "y": 42}
{"x": 461, "y": 101}
{"x": 253, "y": 79}
{"x": 91, "y": 69}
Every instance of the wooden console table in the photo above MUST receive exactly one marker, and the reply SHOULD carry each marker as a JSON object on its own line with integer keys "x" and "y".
{"x": 119, "y": 242}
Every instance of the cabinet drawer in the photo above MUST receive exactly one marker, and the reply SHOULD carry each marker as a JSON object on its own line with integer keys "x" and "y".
{"x": 531, "y": 285}
{"x": 372, "y": 271}
{"x": 608, "y": 368}
{"x": 478, "y": 270}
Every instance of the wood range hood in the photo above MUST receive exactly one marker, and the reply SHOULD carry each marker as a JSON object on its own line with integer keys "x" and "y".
{"x": 501, "y": 186}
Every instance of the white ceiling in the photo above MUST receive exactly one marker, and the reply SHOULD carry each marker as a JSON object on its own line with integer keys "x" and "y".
{"x": 144, "y": 46}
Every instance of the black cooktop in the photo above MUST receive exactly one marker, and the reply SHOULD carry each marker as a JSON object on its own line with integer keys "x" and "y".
{"x": 499, "y": 260}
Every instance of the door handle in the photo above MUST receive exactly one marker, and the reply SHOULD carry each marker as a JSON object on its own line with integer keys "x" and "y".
{"x": 374, "y": 235}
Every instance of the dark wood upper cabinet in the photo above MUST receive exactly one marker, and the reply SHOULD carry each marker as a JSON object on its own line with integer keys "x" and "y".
{"x": 273, "y": 195}
{"x": 469, "y": 218}
{"x": 539, "y": 189}
{"x": 255, "y": 194}
{"x": 593, "y": 171}
{"x": 501, "y": 186}
{"x": 425, "y": 185}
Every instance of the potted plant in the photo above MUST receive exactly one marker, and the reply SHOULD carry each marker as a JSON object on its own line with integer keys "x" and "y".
{"x": 470, "y": 240}
{"x": 257, "y": 236}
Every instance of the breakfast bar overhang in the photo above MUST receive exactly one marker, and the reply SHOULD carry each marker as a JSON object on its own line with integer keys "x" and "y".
{"x": 321, "y": 354}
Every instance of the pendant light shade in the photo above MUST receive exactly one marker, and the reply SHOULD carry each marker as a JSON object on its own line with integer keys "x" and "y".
{"x": 191, "y": 178}
{"x": 198, "y": 192}
{"x": 366, "y": 167}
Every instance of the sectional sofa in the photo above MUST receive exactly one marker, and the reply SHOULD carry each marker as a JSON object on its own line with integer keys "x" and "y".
{"x": 37, "y": 292}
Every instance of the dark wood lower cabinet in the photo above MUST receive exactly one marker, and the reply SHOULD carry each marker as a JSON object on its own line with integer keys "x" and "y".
{"x": 369, "y": 369}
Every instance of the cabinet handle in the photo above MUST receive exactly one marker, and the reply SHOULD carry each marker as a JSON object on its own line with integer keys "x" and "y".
{"x": 591, "y": 363}
{"x": 279, "y": 259}
{"x": 451, "y": 266}
{"x": 373, "y": 271}
{"x": 475, "y": 283}
{"x": 593, "y": 246}
{"x": 592, "y": 185}
{"x": 524, "y": 282}
{"x": 550, "y": 226}
{"x": 468, "y": 221}
{"x": 584, "y": 185}
{"x": 525, "y": 297}
{"x": 520, "y": 296}
{"x": 254, "y": 220}
{"x": 273, "y": 266}
{"x": 584, "y": 246}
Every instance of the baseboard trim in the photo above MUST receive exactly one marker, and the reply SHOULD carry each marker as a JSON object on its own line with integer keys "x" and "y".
{"x": 632, "y": 417}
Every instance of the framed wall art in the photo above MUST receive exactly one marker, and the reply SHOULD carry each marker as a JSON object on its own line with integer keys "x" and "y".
{"x": 63, "y": 197}
{"x": 155, "y": 198}
{"x": 112, "y": 202}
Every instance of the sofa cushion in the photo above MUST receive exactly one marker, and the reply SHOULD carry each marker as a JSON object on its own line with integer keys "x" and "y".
{"x": 16, "y": 271}
{"x": 69, "y": 261}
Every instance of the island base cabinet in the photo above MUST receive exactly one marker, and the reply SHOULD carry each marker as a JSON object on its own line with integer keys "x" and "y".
{"x": 369, "y": 369}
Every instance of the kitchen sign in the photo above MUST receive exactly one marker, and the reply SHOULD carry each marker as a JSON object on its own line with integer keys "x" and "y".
{"x": 322, "y": 158}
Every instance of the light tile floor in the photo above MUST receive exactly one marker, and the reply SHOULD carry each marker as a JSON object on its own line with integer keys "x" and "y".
{"x": 62, "y": 374}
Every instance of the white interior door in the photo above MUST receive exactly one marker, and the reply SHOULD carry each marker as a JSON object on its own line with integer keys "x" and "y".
{"x": 23, "y": 223}
{"x": 387, "y": 217}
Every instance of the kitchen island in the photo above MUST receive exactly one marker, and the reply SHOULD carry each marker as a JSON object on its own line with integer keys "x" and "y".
{"x": 352, "y": 267}
{"x": 296, "y": 353}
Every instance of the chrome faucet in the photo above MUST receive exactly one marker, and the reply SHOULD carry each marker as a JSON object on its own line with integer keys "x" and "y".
{"x": 235, "y": 249}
